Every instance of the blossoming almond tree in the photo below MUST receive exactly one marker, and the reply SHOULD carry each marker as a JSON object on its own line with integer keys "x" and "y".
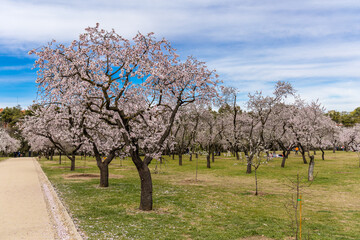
{"x": 8, "y": 144}
{"x": 309, "y": 125}
{"x": 232, "y": 135}
{"x": 278, "y": 130}
{"x": 261, "y": 109}
{"x": 185, "y": 128}
{"x": 70, "y": 129}
{"x": 325, "y": 134}
{"x": 355, "y": 145}
{"x": 139, "y": 86}
{"x": 60, "y": 126}
{"x": 347, "y": 137}
{"x": 105, "y": 142}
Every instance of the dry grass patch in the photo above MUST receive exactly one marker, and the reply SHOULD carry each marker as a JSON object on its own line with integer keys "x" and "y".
{"x": 158, "y": 211}
{"x": 87, "y": 176}
{"x": 256, "y": 238}
{"x": 68, "y": 167}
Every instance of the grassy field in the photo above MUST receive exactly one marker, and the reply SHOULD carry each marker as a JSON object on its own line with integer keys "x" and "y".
{"x": 3, "y": 158}
{"x": 220, "y": 205}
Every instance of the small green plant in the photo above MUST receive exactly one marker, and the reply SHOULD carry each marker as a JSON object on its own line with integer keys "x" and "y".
{"x": 294, "y": 204}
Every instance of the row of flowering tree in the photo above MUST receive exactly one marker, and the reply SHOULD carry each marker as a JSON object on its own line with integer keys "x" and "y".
{"x": 268, "y": 124}
{"x": 107, "y": 96}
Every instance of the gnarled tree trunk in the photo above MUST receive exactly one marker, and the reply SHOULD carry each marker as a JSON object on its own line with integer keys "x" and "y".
{"x": 146, "y": 202}
{"x": 72, "y": 160}
{"x": 322, "y": 154}
{"x": 248, "y": 168}
{"x": 302, "y": 151}
{"x": 208, "y": 161}
{"x": 104, "y": 174}
{"x": 283, "y": 159}
{"x": 180, "y": 158}
{"x": 249, "y": 159}
{"x": 311, "y": 169}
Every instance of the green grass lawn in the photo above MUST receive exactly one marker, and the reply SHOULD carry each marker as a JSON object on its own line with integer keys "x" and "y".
{"x": 220, "y": 205}
{"x": 3, "y": 158}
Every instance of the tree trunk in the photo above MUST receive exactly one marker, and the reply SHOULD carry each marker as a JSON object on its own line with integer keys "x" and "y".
{"x": 303, "y": 157}
{"x": 190, "y": 159}
{"x": 248, "y": 168}
{"x": 237, "y": 155}
{"x": 72, "y": 160}
{"x": 256, "y": 183}
{"x": 213, "y": 157}
{"x": 173, "y": 156}
{"x": 314, "y": 152}
{"x": 322, "y": 154}
{"x": 334, "y": 149}
{"x": 311, "y": 169}
{"x": 208, "y": 161}
{"x": 104, "y": 174}
{"x": 60, "y": 158}
{"x": 180, "y": 159}
{"x": 146, "y": 202}
{"x": 283, "y": 159}
{"x": 196, "y": 167}
{"x": 302, "y": 151}
{"x": 197, "y": 155}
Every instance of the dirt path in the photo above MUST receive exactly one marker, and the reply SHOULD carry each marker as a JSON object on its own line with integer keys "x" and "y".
{"x": 29, "y": 207}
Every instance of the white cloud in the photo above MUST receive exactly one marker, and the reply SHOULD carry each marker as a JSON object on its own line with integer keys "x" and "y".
{"x": 329, "y": 72}
{"x": 252, "y": 44}
{"x": 15, "y": 68}
{"x": 217, "y": 20}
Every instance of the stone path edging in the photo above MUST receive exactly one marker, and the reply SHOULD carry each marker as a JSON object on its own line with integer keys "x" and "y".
{"x": 65, "y": 228}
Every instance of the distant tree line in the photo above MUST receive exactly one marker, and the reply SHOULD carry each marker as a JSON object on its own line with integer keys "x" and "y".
{"x": 347, "y": 119}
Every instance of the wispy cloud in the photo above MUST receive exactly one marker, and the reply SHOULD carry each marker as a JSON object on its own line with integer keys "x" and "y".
{"x": 313, "y": 43}
{"x": 213, "y": 20}
{"x": 15, "y": 68}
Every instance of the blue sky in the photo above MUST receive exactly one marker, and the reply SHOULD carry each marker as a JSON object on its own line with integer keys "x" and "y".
{"x": 315, "y": 45}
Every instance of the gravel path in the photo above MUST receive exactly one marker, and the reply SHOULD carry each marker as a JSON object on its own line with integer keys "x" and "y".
{"x": 29, "y": 206}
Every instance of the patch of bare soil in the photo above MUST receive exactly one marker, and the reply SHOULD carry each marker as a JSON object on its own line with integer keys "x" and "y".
{"x": 256, "y": 238}
{"x": 124, "y": 168}
{"x": 192, "y": 181}
{"x": 259, "y": 193}
{"x": 87, "y": 176}
{"x": 160, "y": 211}
{"x": 64, "y": 167}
